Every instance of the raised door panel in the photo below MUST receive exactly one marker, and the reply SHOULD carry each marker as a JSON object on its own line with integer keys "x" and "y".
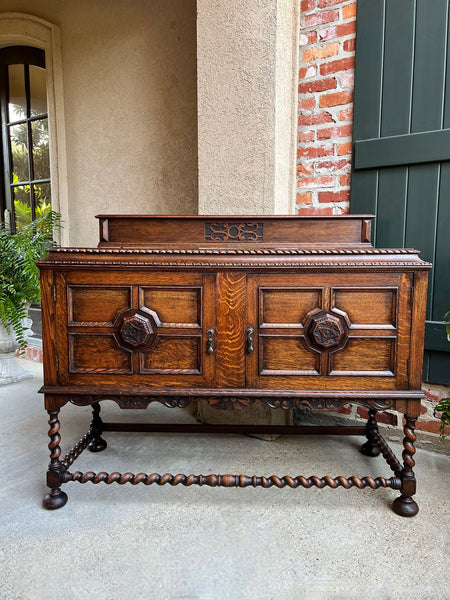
{"x": 128, "y": 328}
{"x": 372, "y": 314}
{"x": 287, "y": 307}
{"x": 97, "y": 353}
{"x": 176, "y": 306}
{"x": 329, "y": 331}
{"x": 96, "y": 305}
{"x": 281, "y": 311}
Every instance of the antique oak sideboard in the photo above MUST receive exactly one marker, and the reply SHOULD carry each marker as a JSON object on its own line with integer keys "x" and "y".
{"x": 232, "y": 311}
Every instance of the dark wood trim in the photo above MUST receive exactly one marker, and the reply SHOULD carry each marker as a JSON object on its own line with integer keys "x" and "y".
{"x": 349, "y": 395}
{"x": 238, "y": 429}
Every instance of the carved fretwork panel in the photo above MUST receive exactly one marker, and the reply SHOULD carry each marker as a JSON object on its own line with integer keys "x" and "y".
{"x": 126, "y": 401}
{"x": 234, "y": 232}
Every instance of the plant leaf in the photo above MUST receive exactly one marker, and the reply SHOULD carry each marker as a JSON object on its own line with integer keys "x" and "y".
{"x": 447, "y": 324}
{"x": 19, "y": 274}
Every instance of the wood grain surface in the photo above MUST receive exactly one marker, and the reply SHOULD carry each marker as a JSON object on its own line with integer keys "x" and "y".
{"x": 231, "y": 326}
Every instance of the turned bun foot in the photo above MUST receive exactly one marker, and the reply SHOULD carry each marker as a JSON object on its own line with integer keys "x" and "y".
{"x": 370, "y": 449}
{"x": 405, "y": 506}
{"x": 55, "y": 499}
{"x": 97, "y": 445}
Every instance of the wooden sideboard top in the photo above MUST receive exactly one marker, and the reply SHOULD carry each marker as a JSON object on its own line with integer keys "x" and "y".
{"x": 253, "y": 258}
{"x": 222, "y": 230}
{"x": 235, "y": 242}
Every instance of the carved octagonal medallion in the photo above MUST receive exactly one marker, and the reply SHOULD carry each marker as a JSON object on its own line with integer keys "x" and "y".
{"x": 326, "y": 330}
{"x": 137, "y": 328}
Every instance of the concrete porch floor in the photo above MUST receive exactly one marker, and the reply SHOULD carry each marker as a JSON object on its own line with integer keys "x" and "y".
{"x": 114, "y": 542}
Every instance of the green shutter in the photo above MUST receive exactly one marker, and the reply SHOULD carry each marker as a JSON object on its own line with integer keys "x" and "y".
{"x": 401, "y": 152}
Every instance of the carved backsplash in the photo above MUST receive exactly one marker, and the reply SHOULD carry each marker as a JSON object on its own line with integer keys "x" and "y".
{"x": 234, "y": 232}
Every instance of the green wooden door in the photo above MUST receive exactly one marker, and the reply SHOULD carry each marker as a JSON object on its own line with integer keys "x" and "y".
{"x": 401, "y": 156}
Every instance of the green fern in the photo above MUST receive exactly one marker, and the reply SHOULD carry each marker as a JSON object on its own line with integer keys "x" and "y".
{"x": 19, "y": 275}
{"x": 444, "y": 408}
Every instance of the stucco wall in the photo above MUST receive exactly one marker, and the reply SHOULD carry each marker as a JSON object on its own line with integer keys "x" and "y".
{"x": 129, "y": 77}
{"x": 247, "y": 61}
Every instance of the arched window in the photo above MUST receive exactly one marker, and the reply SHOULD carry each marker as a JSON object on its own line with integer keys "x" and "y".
{"x": 25, "y": 173}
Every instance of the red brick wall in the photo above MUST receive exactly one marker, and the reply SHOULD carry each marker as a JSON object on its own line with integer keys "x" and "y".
{"x": 325, "y": 112}
{"x": 325, "y": 105}
{"x": 33, "y": 353}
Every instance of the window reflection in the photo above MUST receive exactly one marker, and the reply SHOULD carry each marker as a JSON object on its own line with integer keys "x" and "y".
{"x": 42, "y": 197}
{"x": 38, "y": 93}
{"x": 41, "y": 159}
{"x": 22, "y": 205}
{"x": 17, "y": 106}
{"x": 18, "y": 139}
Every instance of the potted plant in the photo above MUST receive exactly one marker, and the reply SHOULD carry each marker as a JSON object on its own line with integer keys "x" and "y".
{"x": 19, "y": 286}
{"x": 444, "y": 405}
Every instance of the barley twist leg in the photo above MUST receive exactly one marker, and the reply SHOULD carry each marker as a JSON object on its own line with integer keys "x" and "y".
{"x": 371, "y": 448}
{"x": 97, "y": 444}
{"x": 404, "y": 505}
{"x": 56, "y": 498}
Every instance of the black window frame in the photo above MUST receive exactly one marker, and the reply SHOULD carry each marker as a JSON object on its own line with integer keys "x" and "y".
{"x": 27, "y": 56}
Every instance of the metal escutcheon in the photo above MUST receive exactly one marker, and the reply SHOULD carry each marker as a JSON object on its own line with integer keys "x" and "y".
{"x": 250, "y": 342}
{"x": 210, "y": 342}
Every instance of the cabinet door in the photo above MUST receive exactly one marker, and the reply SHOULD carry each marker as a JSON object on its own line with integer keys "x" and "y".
{"x": 329, "y": 331}
{"x": 126, "y": 328}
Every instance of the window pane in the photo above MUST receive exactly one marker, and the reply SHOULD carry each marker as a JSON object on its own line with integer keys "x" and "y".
{"x": 22, "y": 205}
{"x": 17, "y": 101}
{"x": 38, "y": 94}
{"x": 39, "y": 131}
{"x": 19, "y": 152}
{"x": 42, "y": 198}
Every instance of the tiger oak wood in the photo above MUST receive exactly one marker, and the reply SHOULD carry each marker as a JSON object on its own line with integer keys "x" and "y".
{"x": 231, "y": 311}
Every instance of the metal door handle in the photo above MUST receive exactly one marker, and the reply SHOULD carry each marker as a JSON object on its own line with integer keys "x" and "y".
{"x": 250, "y": 342}
{"x": 210, "y": 342}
